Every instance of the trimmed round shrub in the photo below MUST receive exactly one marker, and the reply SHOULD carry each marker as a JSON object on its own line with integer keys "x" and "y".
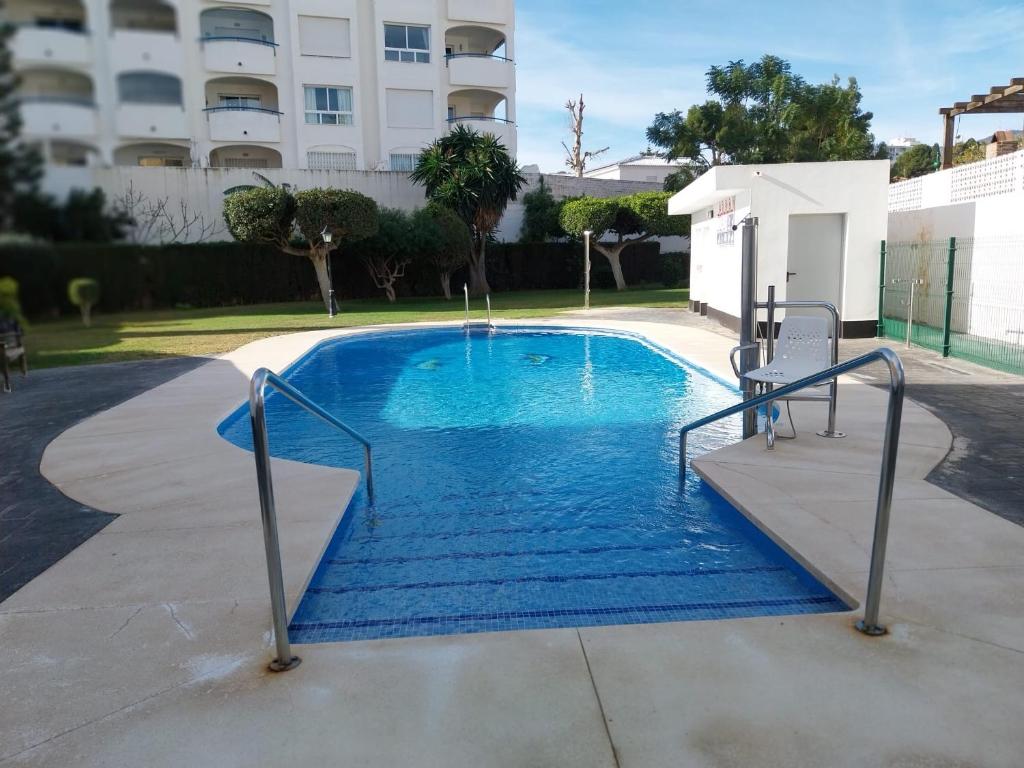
{"x": 84, "y": 293}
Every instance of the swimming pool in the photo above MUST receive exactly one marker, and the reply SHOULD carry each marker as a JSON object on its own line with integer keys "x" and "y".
{"x": 524, "y": 479}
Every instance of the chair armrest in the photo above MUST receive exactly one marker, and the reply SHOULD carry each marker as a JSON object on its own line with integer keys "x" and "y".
{"x": 732, "y": 356}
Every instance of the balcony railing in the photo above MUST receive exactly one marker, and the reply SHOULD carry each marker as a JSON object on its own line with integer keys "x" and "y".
{"x": 233, "y": 108}
{"x": 57, "y": 98}
{"x": 479, "y": 118}
{"x": 239, "y": 39}
{"x": 450, "y": 56}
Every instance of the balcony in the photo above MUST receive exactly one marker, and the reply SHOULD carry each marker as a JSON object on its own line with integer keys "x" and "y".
{"x": 245, "y": 156}
{"x": 499, "y": 127}
{"x": 244, "y": 124}
{"x": 239, "y": 54}
{"x": 238, "y": 40}
{"x": 49, "y": 45}
{"x": 159, "y": 121}
{"x": 484, "y": 11}
{"x": 479, "y": 70}
{"x": 58, "y": 116}
{"x": 137, "y": 49}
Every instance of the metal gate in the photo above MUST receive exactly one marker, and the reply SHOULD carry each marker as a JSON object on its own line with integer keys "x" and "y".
{"x": 960, "y": 297}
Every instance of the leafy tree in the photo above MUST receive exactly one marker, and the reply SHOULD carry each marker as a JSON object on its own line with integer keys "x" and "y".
{"x": 84, "y": 293}
{"x": 630, "y": 220}
{"x": 540, "y": 216}
{"x": 474, "y": 175}
{"x": 919, "y": 160}
{"x": 84, "y": 217}
{"x": 444, "y": 240}
{"x": 10, "y": 306}
{"x": 389, "y": 252}
{"x": 764, "y": 113}
{"x": 295, "y": 223}
{"x": 20, "y": 164}
{"x": 969, "y": 151}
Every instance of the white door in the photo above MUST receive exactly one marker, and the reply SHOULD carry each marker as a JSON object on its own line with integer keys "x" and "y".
{"x": 814, "y": 270}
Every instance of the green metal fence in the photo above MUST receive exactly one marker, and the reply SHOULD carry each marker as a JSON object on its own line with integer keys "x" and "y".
{"x": 962, "y": 297}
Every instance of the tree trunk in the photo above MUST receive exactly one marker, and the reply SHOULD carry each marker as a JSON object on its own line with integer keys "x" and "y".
{"x": 613, "y": 254}
{"x": 389, "y": 291}
{"x": 319, "y": 259}
{"x": 478, "y": 284}
{"x": 86, "y": 314}
{"x": 446, "y": 285}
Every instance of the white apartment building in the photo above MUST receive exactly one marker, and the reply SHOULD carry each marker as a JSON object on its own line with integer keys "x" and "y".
{"x": 323, "y": 84}
{"x": 637, "y": 168}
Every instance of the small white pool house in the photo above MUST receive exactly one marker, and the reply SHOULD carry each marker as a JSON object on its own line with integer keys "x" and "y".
{"x": 820, "y": 230}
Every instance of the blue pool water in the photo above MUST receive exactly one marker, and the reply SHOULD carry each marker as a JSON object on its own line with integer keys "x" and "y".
{"x": 525, "y": 479}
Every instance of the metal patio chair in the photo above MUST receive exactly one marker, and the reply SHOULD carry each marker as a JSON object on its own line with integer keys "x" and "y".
{"x": 803, "y": 349}
{"x": 12, "y": 349}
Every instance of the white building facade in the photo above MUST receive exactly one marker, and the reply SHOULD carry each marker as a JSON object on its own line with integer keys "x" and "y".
{"x": 820, "y": 229}
{"x": 321, "y": 84}
{"x": 637, "y": 168}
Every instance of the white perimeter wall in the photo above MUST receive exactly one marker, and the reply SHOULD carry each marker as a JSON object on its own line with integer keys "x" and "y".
{"x": 203, "y": 189}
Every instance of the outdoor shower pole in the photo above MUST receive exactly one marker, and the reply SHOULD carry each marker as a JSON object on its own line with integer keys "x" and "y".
{"x": 586, "y": 269}
{"x": 748, "y": 320}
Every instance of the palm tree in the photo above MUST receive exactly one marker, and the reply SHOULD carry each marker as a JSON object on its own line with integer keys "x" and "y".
{"x": 474, "y": 175}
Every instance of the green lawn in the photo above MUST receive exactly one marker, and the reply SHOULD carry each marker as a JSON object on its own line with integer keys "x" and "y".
{"x": 173, "y": 333}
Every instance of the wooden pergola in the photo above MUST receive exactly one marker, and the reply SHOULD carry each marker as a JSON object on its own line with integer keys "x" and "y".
{"x": 1001, "y": 99}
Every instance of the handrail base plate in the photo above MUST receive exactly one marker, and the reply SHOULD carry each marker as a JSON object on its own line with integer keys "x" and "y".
{"x": 277, "y": 666}
{"x": 873, "y": 630}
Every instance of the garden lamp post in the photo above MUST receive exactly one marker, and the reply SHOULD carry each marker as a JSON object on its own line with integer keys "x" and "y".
{"x": 332, "y": 306}
{"x": 586, "y": 268}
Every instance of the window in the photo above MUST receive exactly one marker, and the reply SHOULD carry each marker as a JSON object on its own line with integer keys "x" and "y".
{"x": 409, "y": 109}
{"x": 403, "y": 163}
{"x": 328, "y": 106}
{"x": 331, "y": 161}
{"x": 406, "y": 43}
{"x": 320, "y": 36}
{"x": 148, "y": 88}
{"x": 244, "y": 162}
{"x": 148, "y": 161}
{"x": 245, "y": 101}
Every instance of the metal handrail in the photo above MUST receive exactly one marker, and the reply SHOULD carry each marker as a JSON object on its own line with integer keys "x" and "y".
{"x": 869, "y": 624}
{"x": 241, "y": 108}
{"x": 450, "y": 56}
{"x": 237, "y": 39}
{"x": 480, "y": 118}
{"x": 467, "y": 324}
{"x": 268, "y": 511}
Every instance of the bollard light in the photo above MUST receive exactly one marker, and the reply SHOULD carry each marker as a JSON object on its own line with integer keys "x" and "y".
{"x": 332, "y": 306}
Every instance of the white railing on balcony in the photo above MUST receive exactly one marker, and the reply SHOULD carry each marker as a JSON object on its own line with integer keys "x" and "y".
{"x": 986, "y": 178}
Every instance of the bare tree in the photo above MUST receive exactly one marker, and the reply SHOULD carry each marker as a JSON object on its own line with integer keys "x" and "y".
{"x": 161, "y": 222}
{"x": 576, "y": 159}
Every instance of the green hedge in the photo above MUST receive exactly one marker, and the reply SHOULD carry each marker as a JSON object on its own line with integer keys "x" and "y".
{"x": 225, "y": 274}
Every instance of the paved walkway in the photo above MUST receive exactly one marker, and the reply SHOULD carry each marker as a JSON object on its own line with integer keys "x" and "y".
{"x": 39, "y": 524}
{"x": 147, "y": 645}
{"x": 983, "y": 408}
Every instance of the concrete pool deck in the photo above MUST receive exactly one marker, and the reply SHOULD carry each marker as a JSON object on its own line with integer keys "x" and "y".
{"x": 147, "y": 645}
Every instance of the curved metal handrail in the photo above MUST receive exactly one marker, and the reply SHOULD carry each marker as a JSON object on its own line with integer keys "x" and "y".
{"x": 897, "y": 383}
{"x": 261, "y": 450}
{"x": 237, "y": 39}
{"x": 450, "y": 56}
{"x": 471, "y": 118}
{"x": 241, "y": 108}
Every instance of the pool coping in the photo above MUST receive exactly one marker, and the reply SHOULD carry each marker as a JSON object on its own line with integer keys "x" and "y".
{"x": 199, "y": 593}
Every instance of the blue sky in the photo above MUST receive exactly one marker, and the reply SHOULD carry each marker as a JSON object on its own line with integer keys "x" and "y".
{"x": 634, "y": 58}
